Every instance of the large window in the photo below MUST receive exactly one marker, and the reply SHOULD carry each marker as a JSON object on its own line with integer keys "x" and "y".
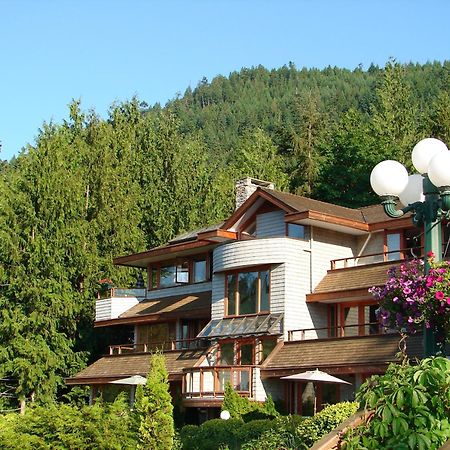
{"x": 181, "y": 271}
{"x": 248, "y": 292}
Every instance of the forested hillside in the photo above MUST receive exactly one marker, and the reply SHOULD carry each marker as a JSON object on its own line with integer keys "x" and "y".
{"x": 90, "y": 189}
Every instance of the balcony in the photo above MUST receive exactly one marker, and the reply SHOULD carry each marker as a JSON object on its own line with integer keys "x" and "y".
{"x": 364, "y": 329}
{"x": 210, "y": 382}
{"x": 115, "y": 301}
{"x": 176, "y": 344}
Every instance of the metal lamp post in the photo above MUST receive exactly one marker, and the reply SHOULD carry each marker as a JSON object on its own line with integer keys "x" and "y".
{"x": 426, "y": 195}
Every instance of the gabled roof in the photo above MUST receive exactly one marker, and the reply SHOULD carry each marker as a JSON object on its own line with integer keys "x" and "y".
{"x": 298, "y": 209}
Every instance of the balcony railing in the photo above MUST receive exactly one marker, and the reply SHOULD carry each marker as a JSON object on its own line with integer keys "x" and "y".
{"x": 211, "y": 381}
{"x": 369, "y": 328}
{"x": 178, "y": 344}
{"x": 122, "y": 293}
{"x": 371, "y": 258}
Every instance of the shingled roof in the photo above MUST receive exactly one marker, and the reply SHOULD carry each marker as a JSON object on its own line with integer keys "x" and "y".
{"x": 115, "y": 367}
{"x": 351, "y": 278}
{"x": 302, "y": 204}
{"x": 168, "y": 306}
{"x": 332, "y": 354}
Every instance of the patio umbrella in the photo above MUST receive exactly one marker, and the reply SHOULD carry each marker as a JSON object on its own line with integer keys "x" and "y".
{"x": 315, "y": 376}
{"x": 133, "y": 381}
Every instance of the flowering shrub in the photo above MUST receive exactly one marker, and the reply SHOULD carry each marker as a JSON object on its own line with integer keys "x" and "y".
{"x": 410, "y": 298}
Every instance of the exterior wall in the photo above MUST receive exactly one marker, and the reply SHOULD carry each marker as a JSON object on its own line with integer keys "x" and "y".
{"x": 111, "y": 308}
{"x": 184, "y": 289}
{"x": 374, "y": 245}
{"x": 327, "y": 245}
{"x": 270, "y": 224}
{"x": 289, "y": 275}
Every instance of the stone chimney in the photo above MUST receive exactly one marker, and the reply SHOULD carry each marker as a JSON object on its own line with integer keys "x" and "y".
{"x": 246, "y": 186}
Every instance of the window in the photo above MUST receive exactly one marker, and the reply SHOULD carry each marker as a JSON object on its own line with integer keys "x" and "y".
{"x": 267, "y": 346}
{"x": 167, "y": 275}
{"x": 181, "y": 271}
{"x": 199, "y": 268}
{"x": 393, "y": 246}
{"x": 227, "y": 354}
{"x": 295, "y": 230}
{"x": 248, "y": 292}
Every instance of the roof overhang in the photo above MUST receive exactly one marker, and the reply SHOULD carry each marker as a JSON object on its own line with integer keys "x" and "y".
{"x": 339, "y": 296}
{"x": 321, "y": 220}
{"x": 167, "y": 252}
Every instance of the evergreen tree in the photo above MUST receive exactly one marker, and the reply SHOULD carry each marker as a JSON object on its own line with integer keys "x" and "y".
{"x": 156, "y": 429}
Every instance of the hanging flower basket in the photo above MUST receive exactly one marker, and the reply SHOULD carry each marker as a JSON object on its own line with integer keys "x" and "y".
{"x": 410, "y": 299}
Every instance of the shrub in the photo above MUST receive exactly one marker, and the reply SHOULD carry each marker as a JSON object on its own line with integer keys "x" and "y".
{"x": 241, "y": 407}
{"x": 64, "y": 426}
{"x": 295, "y": 432}
{"x": 218, "y": 433}
{"x": 411, "y": 408}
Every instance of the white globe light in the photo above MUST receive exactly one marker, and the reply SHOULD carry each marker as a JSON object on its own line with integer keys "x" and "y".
{"x": 439, "y": 169}
{"x": 389, "y": 178}
{"x": 424, "y": 151}
{"x": 413, "y": 191}
{"x": 225, "y": 415}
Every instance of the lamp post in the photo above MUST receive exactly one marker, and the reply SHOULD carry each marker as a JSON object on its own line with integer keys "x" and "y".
{"x": 426, "y": 196}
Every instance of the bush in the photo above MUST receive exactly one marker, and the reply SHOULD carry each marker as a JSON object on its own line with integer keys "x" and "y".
{"x": 218, "y": 433}
{"x": 411, "y": 408}
{"x": 68, "y": 427}
{"x": 240, "y": 407}
{"x": 295, "y": 432}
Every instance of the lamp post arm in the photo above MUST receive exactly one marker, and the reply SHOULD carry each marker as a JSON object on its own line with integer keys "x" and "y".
{"x": 389, "y": 203}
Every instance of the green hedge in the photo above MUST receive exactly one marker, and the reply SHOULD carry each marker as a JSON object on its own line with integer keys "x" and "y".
{"x": 216, "y": 433}
{"x": 294, "y": 432}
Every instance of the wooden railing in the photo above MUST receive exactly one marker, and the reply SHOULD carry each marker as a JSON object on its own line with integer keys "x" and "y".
{"x": 211, "y": 381}
{"x": 371, "y": 258}
{"x": 369, "y": 328}
{"x": 178, "y": 344}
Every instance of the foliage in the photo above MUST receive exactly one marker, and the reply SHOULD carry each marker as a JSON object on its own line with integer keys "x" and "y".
{"x": 89, "y": 189}
{"x": 242, "y": 408}
{"x": 411, "y": 408}
{"x": 410, "y": 299}
{"x": 290, "y": 433}
{"x": 68, "y": 427}
{"x": 218, "y": 433}
{"x": 154, "y": 407}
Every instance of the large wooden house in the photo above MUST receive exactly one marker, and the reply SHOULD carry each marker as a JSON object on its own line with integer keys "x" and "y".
{"x": 280, "y": 287}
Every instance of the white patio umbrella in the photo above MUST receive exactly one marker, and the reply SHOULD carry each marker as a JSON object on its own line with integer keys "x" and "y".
{"x": 133, "y": 381}
{"x": 315, "y": 376}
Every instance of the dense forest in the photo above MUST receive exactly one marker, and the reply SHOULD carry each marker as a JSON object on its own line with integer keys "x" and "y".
{"x": 90, "y": 189}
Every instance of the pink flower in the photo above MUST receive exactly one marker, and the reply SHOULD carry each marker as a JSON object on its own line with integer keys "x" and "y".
{"x": 430, "y": 255}
{"x": 439, "y": 295}
{"x": 448, "y": 301}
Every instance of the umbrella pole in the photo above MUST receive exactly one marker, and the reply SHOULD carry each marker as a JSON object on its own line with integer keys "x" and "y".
{"x": 315, "y": 399}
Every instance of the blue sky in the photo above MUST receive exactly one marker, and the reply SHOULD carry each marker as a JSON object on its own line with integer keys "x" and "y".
{"x": 106, "y": 51}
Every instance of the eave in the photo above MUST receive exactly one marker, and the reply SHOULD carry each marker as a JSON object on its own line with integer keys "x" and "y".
{"x": 163, "y": 253}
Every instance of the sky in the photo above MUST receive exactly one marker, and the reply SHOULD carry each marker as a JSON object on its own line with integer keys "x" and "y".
{"x": 101, "y": 52}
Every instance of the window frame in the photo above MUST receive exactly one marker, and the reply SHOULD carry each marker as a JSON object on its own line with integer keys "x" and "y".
{"x": 259, "y": 270}
{"x": 157, "y": 266}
